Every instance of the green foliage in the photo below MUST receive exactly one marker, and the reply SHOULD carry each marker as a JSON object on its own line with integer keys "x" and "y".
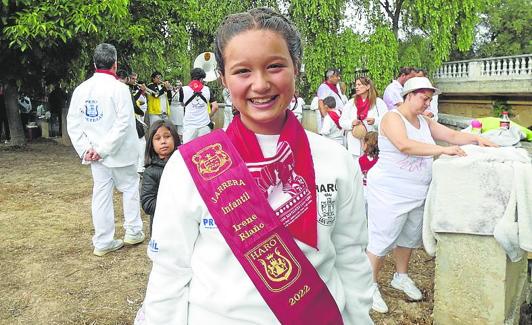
{"x": 381, "y": 60}
{"x": 54, "y": 39}
{"x": 499, "y": 106}
{"x": 50, "y": 22}
{"x": 509, "y": 28}
{"x": 318, "y": 23}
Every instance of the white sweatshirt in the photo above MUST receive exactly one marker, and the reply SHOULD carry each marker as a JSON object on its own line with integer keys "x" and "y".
{"x": 197, "y": 280}
{"x": 101, "y": 116}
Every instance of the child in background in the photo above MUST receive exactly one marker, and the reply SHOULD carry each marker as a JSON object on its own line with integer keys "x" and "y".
{"x": 331, "y": 122}
{"x": 163, "y": 140}
{"x": 370, "y": 156}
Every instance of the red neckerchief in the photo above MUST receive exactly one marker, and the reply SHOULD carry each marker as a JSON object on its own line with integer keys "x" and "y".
{"x": 366, "y": 165}
{"x": 335, "y": 116}
{"x": 305, "y": 227}
{"x": 362, "y": 107}
{"x": 196, "y": 85}
{"x": 107, "y": 71}
{"x": 332, "y": 86}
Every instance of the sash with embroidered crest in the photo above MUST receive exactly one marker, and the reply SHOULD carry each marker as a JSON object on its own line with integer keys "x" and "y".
{"x": 266, "y": 250}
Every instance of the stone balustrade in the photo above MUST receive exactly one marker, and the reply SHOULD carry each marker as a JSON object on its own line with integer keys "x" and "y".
{"x": 500, "y": 76}
{"x": 498, "y": 68}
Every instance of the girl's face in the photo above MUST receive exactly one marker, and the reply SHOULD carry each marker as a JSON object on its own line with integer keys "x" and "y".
{"x": 360, "y": 88}
{"x": 163, "y": 143}
{"x": 260, "y": 75}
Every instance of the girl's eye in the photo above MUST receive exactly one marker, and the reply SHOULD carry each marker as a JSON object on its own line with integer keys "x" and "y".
{"x": 276, "y": 66}
{"x": 241, "y": 71}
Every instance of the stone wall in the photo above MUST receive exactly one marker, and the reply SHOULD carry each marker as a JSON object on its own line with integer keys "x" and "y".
{"x": 469, "y": 107}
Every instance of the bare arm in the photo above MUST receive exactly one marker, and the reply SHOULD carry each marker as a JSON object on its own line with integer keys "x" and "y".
{"x": 443, "y": 133}
{"x": 393, "y": 127}
{"x": 323, "y": 109}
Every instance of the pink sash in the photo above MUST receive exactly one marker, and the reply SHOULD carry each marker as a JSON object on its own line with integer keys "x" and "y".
{"x": 268, "y": 253}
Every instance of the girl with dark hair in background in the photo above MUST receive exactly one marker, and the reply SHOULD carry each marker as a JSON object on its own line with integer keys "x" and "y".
{"x": 163, "y": 140}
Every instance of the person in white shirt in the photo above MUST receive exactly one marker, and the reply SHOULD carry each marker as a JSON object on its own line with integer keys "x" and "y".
{"x": 197, "y": 100}
{"x": 176, "y": 109}
{"x": 432, "y": 111}
{"x": 315, "y": 107}
{"x": 296, "y": 106}
{"x": 365, "y": 107}
{"x": 196, "y": 277}
{"x": 392, "y": 94}
{"x": 101, "y": 125}
{"x": 228, "y": 108}
{"x": 329, "y": 87}
{"x": 331, "y": 122}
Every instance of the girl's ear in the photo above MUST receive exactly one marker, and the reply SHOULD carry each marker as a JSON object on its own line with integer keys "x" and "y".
{"x": 222, "y": 78}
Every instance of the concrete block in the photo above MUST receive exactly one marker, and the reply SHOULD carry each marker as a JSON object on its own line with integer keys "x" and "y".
{"x": 475, "y": 283}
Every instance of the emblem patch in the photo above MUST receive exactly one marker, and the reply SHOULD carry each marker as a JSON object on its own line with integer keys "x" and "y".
{"x": 326, "y": 209}
{"x": 274, "y": 263}
{"x": 211, "y": 161}
{"x": 92, "y": 111}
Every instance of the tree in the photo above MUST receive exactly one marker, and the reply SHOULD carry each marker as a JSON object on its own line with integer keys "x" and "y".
{"x": 319, "y": 24}
{"x": 36, "y": 35}
{"x": 425, "y": 31}
{"x": 505, "y": 29}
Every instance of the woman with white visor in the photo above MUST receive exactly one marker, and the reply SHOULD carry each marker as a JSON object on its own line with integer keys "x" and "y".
{"x": 398, "y": 183}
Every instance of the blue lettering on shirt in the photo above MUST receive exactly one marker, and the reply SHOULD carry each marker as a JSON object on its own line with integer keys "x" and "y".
{"x": 153, "y": 246}
{"x": 208, "y": 223}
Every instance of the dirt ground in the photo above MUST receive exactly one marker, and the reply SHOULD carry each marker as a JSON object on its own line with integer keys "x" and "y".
{"x": 49, "y": 274}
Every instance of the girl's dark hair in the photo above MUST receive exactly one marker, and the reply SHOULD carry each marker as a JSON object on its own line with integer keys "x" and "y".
{"x": 150, "y": 151}
{"x": 371, "y": 140}
{"x": 257, "y": 19}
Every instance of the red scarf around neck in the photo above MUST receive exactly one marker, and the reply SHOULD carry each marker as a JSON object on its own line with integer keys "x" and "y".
{"x": 333, "y": 87}
{"x": 107, "y": 71}
{"x": 335, "y": 116}
{"x": 305, "y": 227}
{"x": 362, "y": 107}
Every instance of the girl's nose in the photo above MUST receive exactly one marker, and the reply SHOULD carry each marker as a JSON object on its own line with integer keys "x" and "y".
{"x": 261, "y": 83}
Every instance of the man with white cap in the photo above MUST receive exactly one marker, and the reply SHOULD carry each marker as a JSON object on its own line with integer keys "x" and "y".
{"x": 398, "y": 183}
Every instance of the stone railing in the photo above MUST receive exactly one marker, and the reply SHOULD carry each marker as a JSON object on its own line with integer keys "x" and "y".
{"x": 499, "y": 68}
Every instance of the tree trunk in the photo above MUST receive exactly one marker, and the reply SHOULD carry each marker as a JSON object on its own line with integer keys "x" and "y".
{"x": 65, "y": 138}
{"x": 13, "y": 115}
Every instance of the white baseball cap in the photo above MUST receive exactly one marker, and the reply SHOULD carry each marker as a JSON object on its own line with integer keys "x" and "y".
{"x": 416, "y": 83}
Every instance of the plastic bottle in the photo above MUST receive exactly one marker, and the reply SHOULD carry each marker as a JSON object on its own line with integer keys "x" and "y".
{"x": 476, "y": 126}
{"x": 505, "y": 121}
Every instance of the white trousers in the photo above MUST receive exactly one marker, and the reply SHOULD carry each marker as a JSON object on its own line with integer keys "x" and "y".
{"x": 385, "y": 232}
{"x": 191, "y": 134}
{"x": 142, "y": 149}
{"x": 126, "y": 180}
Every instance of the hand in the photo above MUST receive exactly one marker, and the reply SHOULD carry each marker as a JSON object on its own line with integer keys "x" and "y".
{"x": 453, "y": 151}
{"x": 91, "y": 155}
{"x": 167, "y": 85}
{"x": 356, "y": 122}
{"x": 428, "y": 114}
{"x": 370, "y": 120}
{"x": 483, "y": 142}
{"x": 142, "y": 87}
